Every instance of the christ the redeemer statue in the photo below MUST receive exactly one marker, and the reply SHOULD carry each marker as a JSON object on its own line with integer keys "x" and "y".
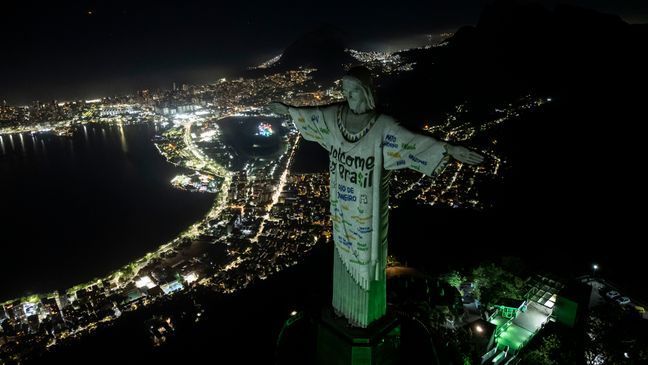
{"x": 364, "y": 146}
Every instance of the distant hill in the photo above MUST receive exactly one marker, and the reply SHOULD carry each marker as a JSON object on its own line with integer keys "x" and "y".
{"x": 322, "y": 48}
{"x": 517, "y": 47}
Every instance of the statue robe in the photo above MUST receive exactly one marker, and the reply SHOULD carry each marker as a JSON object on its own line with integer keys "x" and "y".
{"x": 359, "y": 194}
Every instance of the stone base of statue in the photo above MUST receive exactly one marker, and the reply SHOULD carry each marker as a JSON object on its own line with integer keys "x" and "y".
{"x": 338, "y": 343}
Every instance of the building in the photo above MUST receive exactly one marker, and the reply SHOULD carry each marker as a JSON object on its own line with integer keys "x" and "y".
{"x": 51, "y": 307}
{"x": 518, "y": 321}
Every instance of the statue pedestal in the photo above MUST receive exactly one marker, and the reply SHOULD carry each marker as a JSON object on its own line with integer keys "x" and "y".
{"x": 340, "y": 344}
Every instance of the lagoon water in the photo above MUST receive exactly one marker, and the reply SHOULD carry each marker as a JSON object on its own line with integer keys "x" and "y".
{"x": 241, "y": 134}
{"x": 75, "y": 208}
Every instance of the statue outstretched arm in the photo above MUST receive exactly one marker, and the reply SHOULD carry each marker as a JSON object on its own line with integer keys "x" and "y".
{"x": 425, "y": 154}
{"x": 281, "y": 108}
{"x": 312, "y": 122}
{"x": 464, "y": 154}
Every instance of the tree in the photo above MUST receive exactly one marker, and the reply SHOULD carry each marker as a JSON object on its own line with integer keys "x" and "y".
{"x": 492, "y": 284}
{"x": 614, "y": 336}
{"x": 455, "y": 279}
{"x": 546, "y": 353}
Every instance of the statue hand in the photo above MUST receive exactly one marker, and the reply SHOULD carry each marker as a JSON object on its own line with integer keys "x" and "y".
{"x": 278, "y": 108}
{"x": 464, "y": 155}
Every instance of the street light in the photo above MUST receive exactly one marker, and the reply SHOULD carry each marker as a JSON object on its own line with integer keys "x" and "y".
{"x": 594, "y": 268}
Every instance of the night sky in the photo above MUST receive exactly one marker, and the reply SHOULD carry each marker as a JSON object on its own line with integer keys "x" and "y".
{"x": 83, "y": 49}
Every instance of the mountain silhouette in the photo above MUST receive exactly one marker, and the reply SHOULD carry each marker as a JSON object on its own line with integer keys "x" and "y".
{"x": 322, "y": 48}
{"x": 515, "y": 48}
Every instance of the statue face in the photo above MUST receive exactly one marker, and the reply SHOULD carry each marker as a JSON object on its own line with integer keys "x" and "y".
{"x": 354, "y": 95}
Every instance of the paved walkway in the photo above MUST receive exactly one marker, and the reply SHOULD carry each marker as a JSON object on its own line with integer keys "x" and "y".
{"x": 471, "y": 312}
{"x": 522, "y": 329}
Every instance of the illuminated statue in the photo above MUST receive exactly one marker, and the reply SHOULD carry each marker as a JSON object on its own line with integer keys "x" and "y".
{"x": 364, "y": 147}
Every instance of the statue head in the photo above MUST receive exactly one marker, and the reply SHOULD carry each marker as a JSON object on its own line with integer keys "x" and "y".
{"x": 357, "y": 87}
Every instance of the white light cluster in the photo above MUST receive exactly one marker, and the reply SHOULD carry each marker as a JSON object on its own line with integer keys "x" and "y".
{"x": 145, "y": 281}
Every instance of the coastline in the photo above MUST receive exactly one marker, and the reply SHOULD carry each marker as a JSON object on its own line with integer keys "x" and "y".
{"x": 135, "y": 265}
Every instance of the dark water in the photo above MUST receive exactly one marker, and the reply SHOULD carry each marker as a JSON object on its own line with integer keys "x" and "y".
{"x": 76, "y": 208}
{"x": 241, "y": 134}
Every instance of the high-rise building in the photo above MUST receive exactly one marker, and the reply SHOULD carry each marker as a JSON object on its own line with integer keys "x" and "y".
{"x": 51, "y": 307}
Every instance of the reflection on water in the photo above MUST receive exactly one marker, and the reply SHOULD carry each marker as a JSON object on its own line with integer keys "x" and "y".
{"x": 122, "y": 139}
{"x": 33, "y": 143}
{"x": 37, "y": 143}
{"x": 22, "y": 144}
{"x": 84, "y": 205}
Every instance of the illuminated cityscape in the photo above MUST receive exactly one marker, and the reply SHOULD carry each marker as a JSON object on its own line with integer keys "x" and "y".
{"x": 264, "y": 217}
{"x": 479, "y": 299}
